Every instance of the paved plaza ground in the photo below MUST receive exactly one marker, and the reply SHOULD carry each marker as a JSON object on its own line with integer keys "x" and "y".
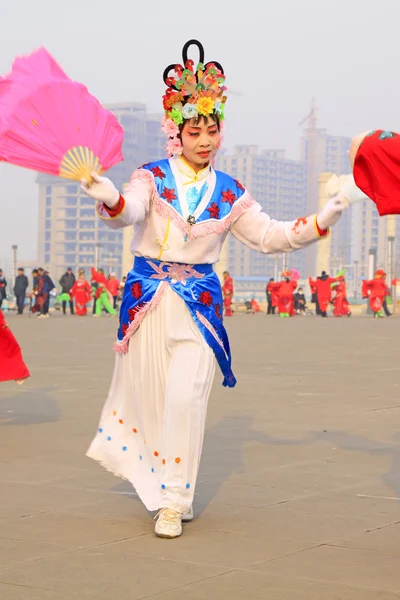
{"x": 299, "y": 491}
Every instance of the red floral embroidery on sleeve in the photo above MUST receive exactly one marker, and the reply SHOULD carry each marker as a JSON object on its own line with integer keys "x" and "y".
{"x": 300, "y": 221}
{"x": 206, "y": 298}
{"x": 214, "y": 211}
{"x": 124, "y": 327}
{"x": 136, "y": 290}
{"x": 157, "y": 172}
{"x": 228, "y": 196}
{"x": 168, "y": 194}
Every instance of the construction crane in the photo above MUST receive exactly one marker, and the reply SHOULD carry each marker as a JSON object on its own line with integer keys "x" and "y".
{"x": 312, "y": 117}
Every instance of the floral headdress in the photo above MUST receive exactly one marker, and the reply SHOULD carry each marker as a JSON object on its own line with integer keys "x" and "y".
{"x": 191, "y": 93}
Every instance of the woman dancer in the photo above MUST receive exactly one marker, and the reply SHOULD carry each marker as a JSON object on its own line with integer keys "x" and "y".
{"x": 152, "y": 426}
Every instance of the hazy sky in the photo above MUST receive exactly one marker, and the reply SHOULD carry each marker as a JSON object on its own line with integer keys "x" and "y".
{"x": 278, "y": 53}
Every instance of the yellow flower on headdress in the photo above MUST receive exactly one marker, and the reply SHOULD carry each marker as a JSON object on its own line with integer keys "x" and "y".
{"x": 205, "y": 106}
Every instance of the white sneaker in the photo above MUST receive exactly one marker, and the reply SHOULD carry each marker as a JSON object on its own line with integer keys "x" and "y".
{"x": 169, "y": 523}
{"x": 188, "y": 515}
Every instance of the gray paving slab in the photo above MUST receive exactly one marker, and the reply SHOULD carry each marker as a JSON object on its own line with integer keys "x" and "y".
{"x": 299, "y": 489}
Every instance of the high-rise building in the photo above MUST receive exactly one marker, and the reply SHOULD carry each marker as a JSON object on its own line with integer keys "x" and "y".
{"x": 70, "y": 234}
{"x": 279, "y": 185}
{"x": 322, "y": 152}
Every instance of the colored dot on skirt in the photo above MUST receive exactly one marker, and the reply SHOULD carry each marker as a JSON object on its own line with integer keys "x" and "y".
{"x": 124, "y": 448}
{"x": 134, "y": 430}
{"x": 108, "y": 438}
{"x": 163, "y": 487}
{"x": 140, "y": 457}
{"x": 114, "y": 412}
{"x": 100, "y": 430}
{"x": 155, "y": 453}
{"x": 120, "y": 421}
{"x": 163, "y": 461}
{"x": 177, "y": 460}
{"x": 152, "y": 470}
{"x": 187, "y": 486}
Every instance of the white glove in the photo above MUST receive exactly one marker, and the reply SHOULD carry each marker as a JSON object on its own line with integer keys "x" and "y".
{"x": 101, "y": 190}
{"x": 331, "y": 212}
{"x": 345, "y": 185}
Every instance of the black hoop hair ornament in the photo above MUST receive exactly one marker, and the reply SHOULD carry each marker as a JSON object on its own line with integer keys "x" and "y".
{"x": 185, "y": 58}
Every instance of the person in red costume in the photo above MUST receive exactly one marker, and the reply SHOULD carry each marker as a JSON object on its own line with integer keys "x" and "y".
{"x": 113, "y": 288}
{"x": 12, "y": 366}
{"x": 284, "y": 290}
{"x": 81, "y": 292}
{"x": 227, "y": 293}
{"x": 322, "y": 287}
{"x": 340, "y": 302}
{"x": 272, "y": 297}
{"x": 376, "y": 290}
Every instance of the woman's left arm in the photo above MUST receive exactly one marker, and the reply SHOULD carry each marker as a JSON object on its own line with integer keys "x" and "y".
{"x": 258, "y": 231}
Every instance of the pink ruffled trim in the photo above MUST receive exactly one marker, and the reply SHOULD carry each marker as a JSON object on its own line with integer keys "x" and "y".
{"x": 211, "y": 329}
{"x": 205, "y": 227}
{"x": 122, "y": 346}
{"x": 144, "y": 175}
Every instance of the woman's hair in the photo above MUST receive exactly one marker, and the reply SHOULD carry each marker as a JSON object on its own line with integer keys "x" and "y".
{"x": 81, "y": 272}
{"x": 198, "y": 120}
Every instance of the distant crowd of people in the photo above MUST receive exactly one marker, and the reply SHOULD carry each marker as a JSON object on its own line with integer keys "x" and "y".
{"x": 286, "y": 299}
{"x": 103, "y": 292}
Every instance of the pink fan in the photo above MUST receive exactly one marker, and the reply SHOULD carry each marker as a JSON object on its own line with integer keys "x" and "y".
{"x": 52, "y": 124}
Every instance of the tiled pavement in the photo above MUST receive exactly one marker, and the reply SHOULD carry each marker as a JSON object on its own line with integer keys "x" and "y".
{"x": 299, "y": 491}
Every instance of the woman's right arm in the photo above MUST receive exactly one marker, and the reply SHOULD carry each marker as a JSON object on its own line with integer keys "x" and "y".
{"x": 119, "y": 211}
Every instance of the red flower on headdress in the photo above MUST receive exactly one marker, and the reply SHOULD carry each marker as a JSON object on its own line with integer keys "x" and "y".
{"x": 217, "y": 309}
{"x": 157, "y": 172}
{"x": 170, "y": 98}
{"x": 136, "y": 290}
{"x": 206, "y": 298}
{"x": 214, "y": 211}
{"x": 240, "y": 186}
{"x": 228, "y": 196}
{"x": 168, "y": 194}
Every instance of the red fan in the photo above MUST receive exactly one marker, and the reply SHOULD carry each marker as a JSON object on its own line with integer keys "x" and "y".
{"x": 52, "y": 124}
{"x": 376, "y": 168}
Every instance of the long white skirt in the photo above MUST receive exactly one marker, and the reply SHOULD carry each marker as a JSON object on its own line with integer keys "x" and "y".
{"x": 152, "y": 426}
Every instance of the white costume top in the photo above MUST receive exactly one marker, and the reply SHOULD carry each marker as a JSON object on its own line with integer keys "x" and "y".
{"x": 157, "y": 226}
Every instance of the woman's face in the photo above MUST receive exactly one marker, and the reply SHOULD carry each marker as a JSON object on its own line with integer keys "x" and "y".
{"x": 200, "y": 142}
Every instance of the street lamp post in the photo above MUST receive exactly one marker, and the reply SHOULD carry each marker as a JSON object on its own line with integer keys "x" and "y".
{"x": 276, "y": 267}
{"x": 14, "y": 249}
{"x": 371, "y": 270}
{"x": 355, "y": 277}
{"x": 97, "y": 247}
{"x": 390, "y": 268}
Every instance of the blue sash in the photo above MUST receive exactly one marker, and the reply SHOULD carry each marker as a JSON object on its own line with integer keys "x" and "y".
{"x": 197, "y": 285}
